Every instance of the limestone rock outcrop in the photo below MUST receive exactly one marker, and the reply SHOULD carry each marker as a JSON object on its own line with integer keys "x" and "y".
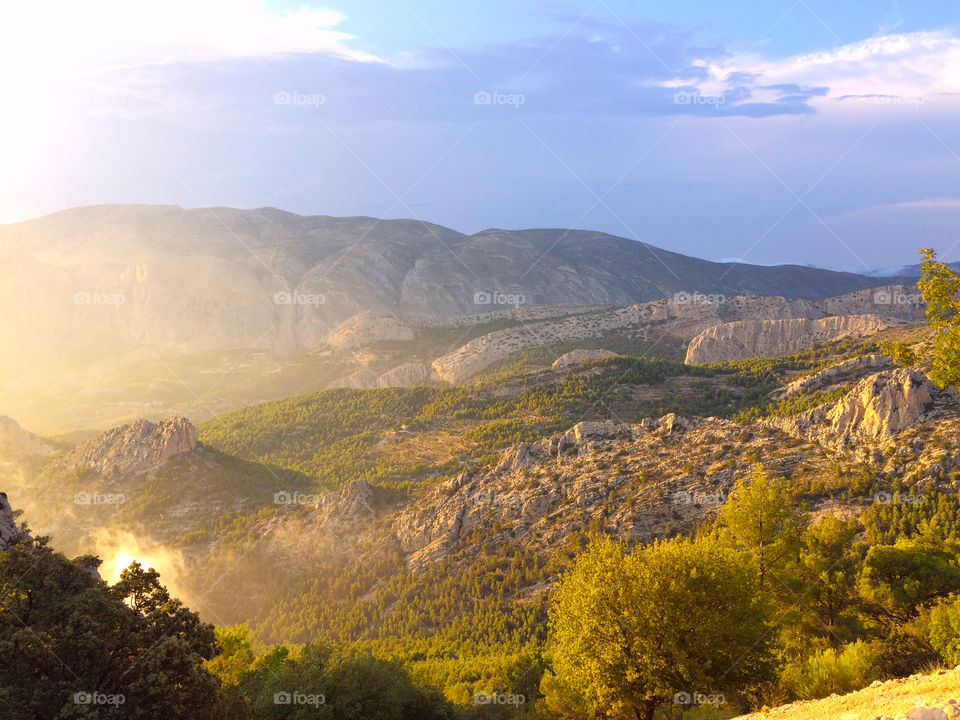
{"x": 367, "y": 327}
{"x": 351, "y": 502}
{"x": 884, "y": 404}
{"x": 878, "y": 407}
{"x": 578, "y": 356}
{"x": 765, "y": 338}
{"x": 136, "y": 447}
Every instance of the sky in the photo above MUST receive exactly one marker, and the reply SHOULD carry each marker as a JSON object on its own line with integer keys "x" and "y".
{"x": 789, "y": 131}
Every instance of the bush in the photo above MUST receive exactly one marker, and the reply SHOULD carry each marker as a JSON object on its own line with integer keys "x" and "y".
{"x": 829, "y": 671}
{"x": 945, "y": 629}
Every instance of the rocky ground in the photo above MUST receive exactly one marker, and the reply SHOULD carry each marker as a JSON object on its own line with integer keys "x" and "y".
{"x": 918, "y": 697}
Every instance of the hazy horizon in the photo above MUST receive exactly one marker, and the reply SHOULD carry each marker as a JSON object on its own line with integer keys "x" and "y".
{"x": 806, "y": 133}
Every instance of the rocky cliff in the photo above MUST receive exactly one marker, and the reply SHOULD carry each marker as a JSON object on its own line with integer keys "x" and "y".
{"x": 136, "y": 447}
{"x": 691, "y": 319}
{"x": 766, "y": 338}
{"x": 878, "y": 407}
{"x": 10, "y": 532}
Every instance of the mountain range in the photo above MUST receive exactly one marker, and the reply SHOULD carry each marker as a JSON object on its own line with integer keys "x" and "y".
{"x": 122, "y": 305}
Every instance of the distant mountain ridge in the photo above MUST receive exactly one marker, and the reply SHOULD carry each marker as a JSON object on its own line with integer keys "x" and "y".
{"x": 108, "y": 309}
{"x": 204, "y": 279}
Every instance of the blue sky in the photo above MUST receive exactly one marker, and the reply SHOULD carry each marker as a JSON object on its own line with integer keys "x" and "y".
{"x": 799, "y": 131}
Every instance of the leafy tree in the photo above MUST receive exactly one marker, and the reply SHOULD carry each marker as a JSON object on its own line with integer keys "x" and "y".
{"x": 826, "y": 572}
{"x": 901, "y": 353}
{"x": 898, "y": 579}
{"x": 322, "y": 683}
{"x": 940, "y": 286}
{"x": 945, "y": 629}
{"x": 72, "y": 646}
{"x": 630, "y": 631}
{"x": 758, "y": 517}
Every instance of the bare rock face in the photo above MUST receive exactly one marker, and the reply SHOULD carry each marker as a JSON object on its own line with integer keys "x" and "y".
{"x": 16, "y": 442}
{"x": 137, "y": 447}
{"x": 405, "y": 375}
{"x": 576, "y": 357}
{"x": 877, "y": 408}
{"x": 369, "y": 326}
{"x": 674, "y": 321}
{"x": 351, "y": 502}
{"x": 885, "y": 404}
{"x": 10, "y": 533}
{"x": 765, "y": 338}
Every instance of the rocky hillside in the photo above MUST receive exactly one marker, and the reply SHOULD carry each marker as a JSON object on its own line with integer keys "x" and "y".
{"x": 768, "y": 338}
{"x": 712, "y": 331}
{"x": 17, "y": 443}
{"x": 431, "y": 477}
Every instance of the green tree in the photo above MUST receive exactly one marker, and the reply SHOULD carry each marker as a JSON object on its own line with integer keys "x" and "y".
{"x": 826, "y": 572}
{"x": 940, "y": 287}
{"x": 759, "y": 518}
{"x": 320, "y": 682}
{"x": 901, "y": 353}
{"x": 628, "y": 632}
{"x": 72, "y": 646}
{"x": 945, "y": 629}
{"x": 897, "y": 580}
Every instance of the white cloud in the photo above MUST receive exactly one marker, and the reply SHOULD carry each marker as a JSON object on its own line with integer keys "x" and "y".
{"x": 931, "y": 205}
{"x": 47, "y": 40}
{"x": 919, "y": 66}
